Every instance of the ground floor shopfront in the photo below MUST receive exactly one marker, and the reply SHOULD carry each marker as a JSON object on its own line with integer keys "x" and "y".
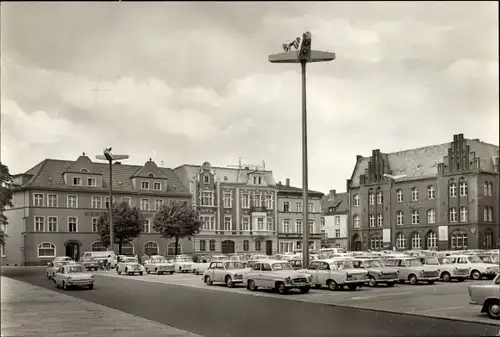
{"x": 292, "y": 242}
{"x": 235, "y": 244}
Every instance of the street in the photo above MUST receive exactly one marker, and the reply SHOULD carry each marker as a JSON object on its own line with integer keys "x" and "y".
{"x": 230, "y": 313}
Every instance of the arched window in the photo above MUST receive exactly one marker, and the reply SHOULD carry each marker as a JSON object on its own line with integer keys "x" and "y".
{"x": 488, "y": 239}
{"x": 431, "y": 216}
{"x": 458, "y": 240}
{"x": 400, "y": 218}
{"x": 356, "y": 200}
{"x": 151, "y": 248}
{"x": 380, "y": 220}
{"x": 490, "y": 189}
{"x": 490, "y": 214}
{"x": 486, "y": 189}
{"x": 415, "y": 217}
{"x": 399, "y": 195}
{"x": 171, "y": 248}
{"x": 452, "y": 188}
{"x": 355, "y": 221}
{"x": 46, "y": 250}
{"x": 463, "y": 187}
{"x": 127, "y": 249}
{"x": 371, "y": 197}
{"x": 485, "y": 213}
{"x": 98, "y": 247}
{"x": 400, "y": 241}
{"x": 84, "y": 170}
{"x": 431, "y": 192}
{"x": 151, "y": 175}
{"x": 416, "y": 241}
{"x": 432, "y": 240}
{"x": 372, "y": 220}
{"x": 464, "y": 214}
{"x": 453, "y": 214}
{"x": 380, "y": 196}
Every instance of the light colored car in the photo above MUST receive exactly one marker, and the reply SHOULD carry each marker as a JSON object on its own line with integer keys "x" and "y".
{"x": 228, "y": 272}
{"x": 487, "y": 295}
{"x": 447, "y": 269}
{"x": 336, "y": 274}
{"x": 411, "y": 269}
{"x": 183, "y": 264}
{"x": 278, "y": 275}
{"x": 130, "y": 266}
{"x": 199, "y": 267}
{"x": 54, "y": 266}
{"x": 159, "y": 265}
{"x": 478, "y": 269}
{"x": 377, "y": 273}
{"x": 73, "y": 275}
{"x": 94, "y": 260}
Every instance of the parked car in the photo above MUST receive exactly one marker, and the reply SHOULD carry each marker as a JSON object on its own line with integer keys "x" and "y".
{"x": 377, "y": 273}
{"x": 183, "y": 264}
{"x": 488, "y": 296}
{"x": 478, "y": 269}
{"x": 159, "y": 265}
{"x": 73, "y": 275}
{"x": 447, "y": 269}
{"x": 411, "y": 269}
{"x": 336, "y": 274}
{"x": 228, "y": 272}
{"x": 52, "y": 267}
{"x": 130, "y": 266}
{"x": 278, "y": 275}
{"x": 94, "y": 260}
{"x": 296, "y": 264}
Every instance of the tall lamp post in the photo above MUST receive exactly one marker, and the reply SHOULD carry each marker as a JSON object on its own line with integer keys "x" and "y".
{"x": 392, "y": 222}
{"x": 109, "y": 157}
{"x": 303, "y": 56}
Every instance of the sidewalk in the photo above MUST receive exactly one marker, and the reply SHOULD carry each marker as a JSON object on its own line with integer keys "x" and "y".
{"x": 29, "y": 310}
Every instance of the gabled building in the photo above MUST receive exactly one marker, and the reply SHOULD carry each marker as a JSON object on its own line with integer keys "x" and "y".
{"x": 58, "y": 204}
{"x": 436, "y": 197}
{"x": 236, "y": 205}
{"x": 335, "y": 220}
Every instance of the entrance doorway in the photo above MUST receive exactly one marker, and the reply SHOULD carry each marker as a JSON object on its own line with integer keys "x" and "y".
{"x": 356, "y": 243}
{"x": 269, "y": 247}
{"x": 73, "y": 250}
{"x": 227, "y": 247}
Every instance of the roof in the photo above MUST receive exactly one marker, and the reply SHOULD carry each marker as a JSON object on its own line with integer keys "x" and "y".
{"x": 339, "y": 202}
{"x": 49, "y": 173}
{"x": 291, "y": 189}
{"x": 423, "y": 162}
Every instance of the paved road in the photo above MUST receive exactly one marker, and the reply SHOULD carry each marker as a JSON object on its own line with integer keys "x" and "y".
{"x": 224, "y": 314}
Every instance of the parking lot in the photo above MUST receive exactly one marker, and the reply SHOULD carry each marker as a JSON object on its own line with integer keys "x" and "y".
{"x": 444, "y": 300}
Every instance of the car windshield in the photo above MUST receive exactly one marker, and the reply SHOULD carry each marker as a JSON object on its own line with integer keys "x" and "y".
{"x": 373, "y": 264}
{"x": 234, "y": 265}
{"x": 61, "y": 263}
{"x": 76, "y": 269}
{"x": 444, "y": 260}
{"x": 282, "y": 266}
{"x": 160, "y": 261}
{"x": 474, "y": 259}
{"x": 131, "y": 260}
{"x": 413, "y": 263}
{"x": 183, "y": 259}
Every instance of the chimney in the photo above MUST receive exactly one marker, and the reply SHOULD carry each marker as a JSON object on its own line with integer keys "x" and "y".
{"x": 287, "y": 181}
{"x": 333, "y": 193}
{"x": 358, "y": 158}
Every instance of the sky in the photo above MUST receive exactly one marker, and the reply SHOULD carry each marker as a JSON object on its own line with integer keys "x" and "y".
{"x": 189, "y": 82}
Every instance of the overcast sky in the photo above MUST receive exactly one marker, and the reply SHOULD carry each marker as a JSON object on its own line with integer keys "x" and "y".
{"x": 191, "y": 82}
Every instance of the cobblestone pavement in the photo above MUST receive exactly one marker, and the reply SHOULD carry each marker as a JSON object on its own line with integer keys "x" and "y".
{"x": 29, "y": 310}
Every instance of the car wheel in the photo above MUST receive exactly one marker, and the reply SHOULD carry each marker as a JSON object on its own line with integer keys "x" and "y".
{"x": 65, "y": 286}
{"x": 413, "y": 279}
{"x": 280, "y": 288}
{"x": 446, "y": 277}
{"x": 305, "y": 290}
{"x": 332, "y": 285}
{"x": 208, "y": 280}
{"x": 372, "y": 282}
{"x": 493, "y": 309}
{"x": 390, "y": 284}
{"x": 229, "y": 282}
{"x": 251, "y": 285}
{"x": 91, "y": 286}
{"x": 475, "y": 275}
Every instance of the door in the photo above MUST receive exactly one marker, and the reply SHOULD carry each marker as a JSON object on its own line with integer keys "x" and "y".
{"x": 227, "y": 247}
{"x": 210, "y": 270}
{"x": 73, "y": 250}
{"x": 266, "y": 278}
{"x": 313, "y": 270}
{"x": 218, "y": 273}
{"x": 269, "y": 247}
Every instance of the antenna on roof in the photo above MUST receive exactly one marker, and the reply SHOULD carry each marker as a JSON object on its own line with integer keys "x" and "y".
{"x": 263, "y": 165}
{"x": 239, "y": 166}
{"x": 161, "y": 163}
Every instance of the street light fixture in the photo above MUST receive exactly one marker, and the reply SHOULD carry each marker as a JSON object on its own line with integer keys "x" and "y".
{"x": 393, "y": 223}
{"x": 109, "y": 157}
{"x": 303, "y": 56}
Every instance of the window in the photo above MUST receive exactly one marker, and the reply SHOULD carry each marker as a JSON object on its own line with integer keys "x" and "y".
{"x": 77, "y": 181}
{"x": 356, "y": 200}
{"x": 414, "y": 194}
{"x": 270, "y": 223}
{"x": 98, "y": 247}
{"x": 490, "y": 214}
{"x": 415, "y": 217}
{"x": 399, "y": 195}
{"x": 337, "y": 233}
{"x": 95, "y": 225}
{"x": 206, "y": 179}
{"x": 39, "y": 224}
{"x": 452, "y": 189}
{"x": 488, "y": 239}
{"x": 52, "y": 200}
{"x": 372, "y": 220}
{"x": 286, "y": 226}
{"x": 203, "y": 245}
{"x": 228, "y": 220}
{"x": 145, "y": 185}
{"x": 157, "y": 186}
{"x": 311, "y": 226}
{"x": 257, "y": 200}
{"x": 128, "y": 200}
{"x": 324, "y": 234}
{"x": 286, "y": 206}
{"x": 257, "y": 245}
{"x": 431, "y": 216}
{"x": 416, "y": 241}
{"x": 245, "y": 201}
{"x": 46, "y": 250}
{"x": 151, "y": 248}
{"x": 490, "y": 189}
{"x": 464, "y": 214}
{"x": 227, "y": 199}
{"x": 51, "y": 224}
{"x": 146, "y": 226}
{"x": 144, "y": 204}
{"x": 245, "y": 220}
{"x": 371, "y": 198}
{"x": 459, "y": 240}
{"x": 38, "y": 200}
{"x": 72, "y": 224}
{"x": 260, "y": 223}
{"x": 95, "y": 202}
{"x": 463, "y": 187}
{"x": 311, "y": 207}
{"x": 400, "y": 241}
{"x": 486, "y": 189}
{"x": 212, "y": 245}
{"x": 453, "y": 214}
{"x": 322, "y": 221}
{"x": 380, "y": 197}
{"x": 106, "y": 202}
{"x": 84, "y": 170}
{"x": 269, "y": 201}
{"x": 91, "y": 182}
{"x": 376, "y": 242}
{"x": 207, "y": 198}
{"x": 355, "y": 221}
{"x": 246, "y": 245}
{"x": 128, "y": 249}
{"x": 158, "y": 204}
{"x": 208, "y": 222}
{"x": 72, "y": 201}
{"x": 485, "y": 213}
{"x": 431, "y": 192}
{"x": 380, "y": 220}
{"x": 299, "y": 207}
{"x": 337, "y": 220}
{"x": 298, "y": 226}
{"x": 2, "y": 251}
{"x": 432, "y": 240}
{"x": 400, "y": 218}
{"x": 171, "y": 248}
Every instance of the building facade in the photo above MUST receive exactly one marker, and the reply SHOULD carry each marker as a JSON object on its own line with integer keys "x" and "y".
{"x": 290, "y": 218}
{"x": 437, "y": 197}
{"x": 334, "y": 221}
{"x": 58, "y": 203}
{"x": 237, "y": 207}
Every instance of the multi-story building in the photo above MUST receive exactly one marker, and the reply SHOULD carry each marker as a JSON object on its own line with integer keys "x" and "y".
{"x": 437, "y": 197}
{"x": 334, "y": 220}
{"x": 236, "y": 205}
{"x": 290, "y": 218}
{"x": 58, "y": 203}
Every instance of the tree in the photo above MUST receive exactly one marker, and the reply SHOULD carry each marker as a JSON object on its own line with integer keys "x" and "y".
{"x": 127, "y": 224}
{"x": 6, "y": 186}
{"x": 177, "y": 220}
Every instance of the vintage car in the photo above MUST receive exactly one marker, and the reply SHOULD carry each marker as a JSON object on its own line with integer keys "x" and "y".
{"x": 336, "y": 274}
{"x": 94, "y": 260}
{"x": 377, "y": 273}
{"x": 296, "y": 264}
{"x": 478, "y": 269}
{"x": 53, "y": 266}
{"x": 130, "y": 266}
{"x": 228, "y": 272}
{"x": 447, "y": 269}
{"x": 278, "y": 275}
{"x": 73, "y": 275}
{"x": 411, "y": 269}
{"x": 488, "y": 296}
{"x": 488, "y": 258}
{"x": 159, "y": 265}
{"x": 183, "y": 264}
{"x": 61, "y": 259}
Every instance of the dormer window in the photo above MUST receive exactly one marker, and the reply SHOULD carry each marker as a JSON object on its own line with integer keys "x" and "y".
{"x": 77, "y": 181}
{"x": 91, "y": 182}
{"x": 145, "y": 185}
{"x": 151, "y": 175}
{"x": 157, "y": 186}
{"x": 206, "y": 179}
{"x": 84, "y": 170}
